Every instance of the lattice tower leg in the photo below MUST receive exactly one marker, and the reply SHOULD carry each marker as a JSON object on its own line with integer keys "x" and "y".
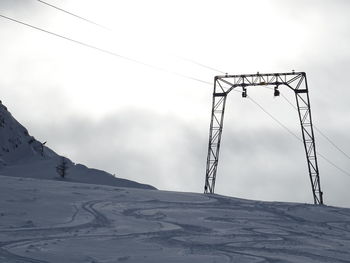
{"x": 216, "y": 125}
{"x": 303, "y": 103}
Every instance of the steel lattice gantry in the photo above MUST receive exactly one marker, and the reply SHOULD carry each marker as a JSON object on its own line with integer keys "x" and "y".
{"x": 296, "y": 81}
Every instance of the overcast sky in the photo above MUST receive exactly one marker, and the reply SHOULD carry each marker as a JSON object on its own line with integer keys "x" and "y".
{"x": 151, "y": 125}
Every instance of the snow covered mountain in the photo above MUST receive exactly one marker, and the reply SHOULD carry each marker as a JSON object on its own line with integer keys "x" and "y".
{"x": 24, "y": 156}
{"x": 45, "y": 221}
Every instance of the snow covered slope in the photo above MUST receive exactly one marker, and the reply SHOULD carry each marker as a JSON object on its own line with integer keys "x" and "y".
{"x": 52, "y": 221}
{"x": 22, "y": 155}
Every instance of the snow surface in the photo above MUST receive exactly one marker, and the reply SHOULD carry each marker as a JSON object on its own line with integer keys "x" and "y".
{"x": 22, "y": 155}
{"x": 55, "y": 221}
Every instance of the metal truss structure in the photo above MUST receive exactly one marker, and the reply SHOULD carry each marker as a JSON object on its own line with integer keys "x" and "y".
{"x": 296, "y": 81}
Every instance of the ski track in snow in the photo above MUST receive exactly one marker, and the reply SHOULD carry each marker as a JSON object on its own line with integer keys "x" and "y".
{"x": 107, "y": 224}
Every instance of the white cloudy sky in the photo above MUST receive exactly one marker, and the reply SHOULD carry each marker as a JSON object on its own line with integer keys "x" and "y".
{"x": 152, "y": 125}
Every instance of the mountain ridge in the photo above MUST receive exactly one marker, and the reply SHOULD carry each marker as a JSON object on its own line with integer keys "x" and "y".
{"x": 22, "y": 155}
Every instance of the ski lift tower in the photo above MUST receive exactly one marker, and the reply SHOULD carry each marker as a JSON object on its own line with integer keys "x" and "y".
{"x": 297, "y": 82}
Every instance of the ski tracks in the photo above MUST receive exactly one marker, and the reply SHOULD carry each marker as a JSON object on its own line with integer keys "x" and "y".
{"x": 62, "y": 231}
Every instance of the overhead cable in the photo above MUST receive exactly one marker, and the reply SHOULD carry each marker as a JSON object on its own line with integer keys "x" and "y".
{"x": 296, "y": 136}
{"x": 105, "y": 51}
{"x": 72, "y": 14}
{"x": 316, "y": 128}
{"x": 274, "y": 118}
{"x": 102, "y": 26}
{"x": 201, "y": 65}
{"x": 320, "y": 132}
